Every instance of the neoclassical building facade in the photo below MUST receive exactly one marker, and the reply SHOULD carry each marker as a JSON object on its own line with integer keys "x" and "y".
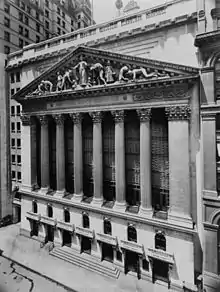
{"x": 109, "y": 147}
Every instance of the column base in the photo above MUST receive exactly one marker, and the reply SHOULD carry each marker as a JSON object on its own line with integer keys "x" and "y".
{"x": 97, "y": 202}
{"x": 44, "y": 191}
{"x": 78, "y": 197}
{"x": 146, "y": 212}
{"x": 180, "y": 220}
{"x": 120, "y": 206}
{"x": 59, "y": 194}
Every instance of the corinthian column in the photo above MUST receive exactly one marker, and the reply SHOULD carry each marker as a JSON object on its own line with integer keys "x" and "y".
{"x": 179, "y": 165}
{"x": 119, "y": 160}
{"x": 78, "y": 158}
{"x": 60, "y": 155}
{"x": 97, "y": 158}
{"x": 45, "y": 177}
{"x": 145, "y": 161}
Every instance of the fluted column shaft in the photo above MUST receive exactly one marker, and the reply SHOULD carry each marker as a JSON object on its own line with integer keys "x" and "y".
{"x": 119, "y": 159}
{"x": 145, "y": 161}
{"x": 60, "y": 154}
{"x": 45, "y": 176}
{"x": 97, "y": 158}
{"x": 78, "y": 156}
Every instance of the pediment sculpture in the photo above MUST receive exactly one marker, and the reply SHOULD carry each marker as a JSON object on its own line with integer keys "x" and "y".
{"x": 84, "y": 75}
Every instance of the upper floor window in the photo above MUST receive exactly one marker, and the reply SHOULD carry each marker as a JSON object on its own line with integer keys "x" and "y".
{"x": 37, "y": 39}
{"x": 26, "y": 33}
{"x": 72, "y": 22}
{"x": 18, "y": 77}
{"x": 86, "y": 223}
{"x": 58, "y": 20}
{"x": 18, "y": 110}
{"x": 20, "y": 29}
{"x": 47, "y": 13}
{"x": 26, "y": 20}
{"x": 47, "y": 24}
{"x": 12, "y": 91}
{"x": 20, "y": 43}
{"x": 7, "y": 36}
{"x": 22, "y": 5}
{"x": 12, "y": 78}
{"x": 7, "y": 8}
{"x": 63, "y": 24}
{"x": 49, "y": 211}
{"x": 19, "y": 176}
{"x": 63, "y": 14}
{"x": 12, "y": 110}
{"x": 20, "y": 16}
{"x": 58, "y": 10}
{"x": 29, "y": 10}
{"x": 7, "y": 22}
{"x": 58, "y": 30}
{"x": 37, "y": 27}
{"x": 18, "y": 143}
{"x": 34, "y": 207}
{"x": 47, "y": 35}
{"x": 107, "y": 227}
{"x": 132, "y": 233}
{"x": 160, "y": 241}
{"x": 37, "y": 15}
{"x": 66, "y": 216}
{"x": 6, "y": 50}
{"x": 13, "y": 142}
{"x": 18, "y": 127}
{"x": 47, "y": 3}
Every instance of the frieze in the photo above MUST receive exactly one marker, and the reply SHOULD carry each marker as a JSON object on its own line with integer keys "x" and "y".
{"x": 151, "y": 94}
{"x": 26, "y": 120}
{"x": 178, "y": 112}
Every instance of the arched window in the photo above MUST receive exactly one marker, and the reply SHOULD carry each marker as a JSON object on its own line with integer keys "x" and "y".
{"x": 160, "y": 241}
{"x": 85, "y": 221}
{"x": 34, "y": 207}
{"x": 49, "y": 211}
{"x": 66, "y": 216}
{"x": 107, "y": 227}
{"x": 132, "y": 234}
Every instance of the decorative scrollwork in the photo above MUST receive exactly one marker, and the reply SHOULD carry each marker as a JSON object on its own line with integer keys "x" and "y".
{"x": 76, "y": 118}
{"x": 144, "y": 114}
{"x": 26, "y": 120}
{"x": 182, "y": 112}
{"x": 59, "y": 119}
{"x": 43, "y": 120}
{"x": 96, "y": 117}
{"x": 118, "y": 116}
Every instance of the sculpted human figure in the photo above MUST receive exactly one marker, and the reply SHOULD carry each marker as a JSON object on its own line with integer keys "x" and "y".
{"x": 59, "y": 82}
{"x": 124, "y": 70}
{"x": 99, "y": 72}
{"x": 44, "y": 86}
{"x": 67, "y": 82}
{"x": 142, "y": 71}
{"x": 82, "y": 69}
{"x": 109, "y": 73}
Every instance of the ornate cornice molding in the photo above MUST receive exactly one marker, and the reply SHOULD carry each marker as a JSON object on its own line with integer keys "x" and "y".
{"x": 26, "y": 120}
{"x": 182, "y": 112}
{"x": 59, "y": 119}
{"x": 144, "y": 114}
{"x": 76, "y": 117}
{"x": 118, "y": 116}
{"x": 96, "y": 117}
{"x": 43, "y": 119}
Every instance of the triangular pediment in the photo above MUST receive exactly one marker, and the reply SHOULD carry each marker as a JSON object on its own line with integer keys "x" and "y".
{"x": 86, "y": 68}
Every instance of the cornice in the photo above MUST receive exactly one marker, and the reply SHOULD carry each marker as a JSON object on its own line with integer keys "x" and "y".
{"x": 112, "y": 213}
{"x": 207, "y": 37}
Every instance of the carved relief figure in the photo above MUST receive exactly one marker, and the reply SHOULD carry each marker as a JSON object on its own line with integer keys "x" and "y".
{"x": 59, "y": 82}
{"x": 98, "y": 71}
{"x": 82, "y": 70}
{"x": 67, "y": 82}
{"x": 142, "y": 71}
{"x": 109, "y": 73}
{"x": 43, "y": 87}
{"x": 124, "y": 70}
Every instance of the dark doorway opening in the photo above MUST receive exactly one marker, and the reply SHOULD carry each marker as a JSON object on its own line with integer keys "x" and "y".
{"x": 34, "y": 231}
{"x": 86, "y": 245}
{"x": 131, "y": 262}
{"x": 107, "y": 252}
{"x": 160, "y": 270}
{"x": 67, "y": 238}
{"x": 19, "y": 213}
{"x": 50, "y": 233}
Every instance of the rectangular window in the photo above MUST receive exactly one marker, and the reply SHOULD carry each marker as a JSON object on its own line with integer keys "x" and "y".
{"x": 12, "y": 78}
{"x": 18, "y": 77}
{"x": 13, "y": 127}
{"x": 46, "y": 13}
{"x": 26, "y": 20}
{"x": 20, "y": 29}
{"x": 13, "y": 142}
{"x": 22, "y": 5}
{"x": 37, "y": 39}
{"x": 18, "y": 110}
{"x": 20, "y": 16}
{"x": 58, "y": 30}
{"x": 12, "y": 110}
{"x": 17, "y": 89}
{"x": 6, "y": 50}
{"x": 12, "y": 91}
{"x": 18, "y": 127}
{"x": 19, "y": 176}
{"x": 29, "y": 10}
{"x": 47, "y": 3}
{"x": 26, "y": 33}
{"x": 58, "y": 10}
{"x": 72, "y": 22}
{"x": 7, "y": 22}
{"x": 47, "y": 24}
{"x": 63, "y": 14}
{"x": 58, "y": 20}
{"x": 26, "y": 43}
{"x": 47, "y": 35}
{"x": 7, "y": 8}
{"x": 13, "y": 159}
{"x": 64, "y": 32}
{"x": 13, "y": 176}
{"x": 20, "y": 43}
{"x": 37, "y": 27}
{"x": 37, "y": 15}
{"x": 19, "y": 143}
{"x": 7, "y": 36}
{"x": 72, "y": 29}
{"x": 63, "y": 24}
{"x": 19, "y": 159}
{"x": 79, "y": 25}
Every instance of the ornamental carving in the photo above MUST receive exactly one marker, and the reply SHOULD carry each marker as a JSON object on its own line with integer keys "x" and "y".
{"x": 76, "y": 118}
{"x": 26, "y": 120}
{"x": 59, "y": 119}
{"x": 178, "y": 112}
{"x": 144, "y": 114}
{"x": 96, "y": 117}
{"x": 43, "y": 120}
{"x": 118, "y": 116}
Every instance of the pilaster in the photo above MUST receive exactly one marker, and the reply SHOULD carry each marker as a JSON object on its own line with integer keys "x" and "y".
{"x": 179, "y": 165}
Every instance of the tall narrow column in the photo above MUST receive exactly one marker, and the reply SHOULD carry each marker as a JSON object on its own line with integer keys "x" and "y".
{"x": 145, "y": 161}
{"x": 97, "y": 158}
{"x": 119, "y": 160}
{"x": 78, "y": 158}
{"x": 45, "y": 177}
{"x": 60, "y": 155}
{"x": 28, "y": 154}
{"x": 179, "y": 165}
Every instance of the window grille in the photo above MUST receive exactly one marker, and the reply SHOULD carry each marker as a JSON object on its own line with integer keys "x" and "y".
{"x": 52, "y": 155}
{"x": 69, "y": 156}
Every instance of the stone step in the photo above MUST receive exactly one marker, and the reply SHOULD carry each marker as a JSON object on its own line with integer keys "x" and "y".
{"x": 86, "y": 261}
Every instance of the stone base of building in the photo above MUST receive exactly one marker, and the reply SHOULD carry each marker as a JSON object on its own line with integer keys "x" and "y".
{"x": 211, "y": 282}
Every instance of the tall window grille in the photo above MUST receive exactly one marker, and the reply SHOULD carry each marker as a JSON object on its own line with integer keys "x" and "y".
{"x": 69, "y": 156}
{"x": 218, "y": 247}
{"x": 132, "y": 158}
{"x": 52, "y": 154}
{"x": 108, "y": 158}
{"x": 38, "y": 152}
{"x": 160, "y": 160}
{"x": 87, "y": 157}
{"x": 218, "y": 150}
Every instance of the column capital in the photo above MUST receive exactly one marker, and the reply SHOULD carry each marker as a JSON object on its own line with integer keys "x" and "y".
{"x": 96, "y": 117}
{"x": 43, "y": 120}
{"x": 26, "y": 119}
{"x": 144, "y": 114}
{"x": 59, "y": 119}
{"x": 118, "y": 116}
{"x": 76, "y": 117}
{"x": 182, "y": 112}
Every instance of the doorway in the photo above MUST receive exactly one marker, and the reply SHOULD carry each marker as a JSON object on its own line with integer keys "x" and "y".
{"x": 67, "y": 238}
{"x": 50, "y": 233}
{"x": 34, "y": 231}
{"x": 160, "y": 270}
{"x": 86, "y": 245}
{"x": 107, "y": 252}
{"x": 131, "y": 262}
